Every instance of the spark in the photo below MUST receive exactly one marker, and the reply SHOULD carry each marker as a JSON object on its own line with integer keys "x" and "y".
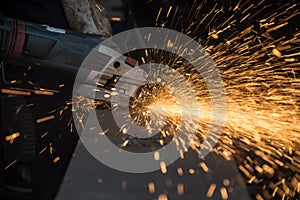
{"x": 204, "y": 167}
{"x": 211, "y": 190}
{"x": 10, "y": 164}
{"x": 51, "y": 149}
{"x": 44, "y": 134}
{"x": 224, "y": 193}
{"x": 180, "y": 189}
{"x": 56, "y": 159}
{"x": 116, "y": 19}
{"x": 43, "y": 150}
{"x": 12, "y": 137}
{"x": 163, "y": 167}
{"x": 124, "y": 185}
{"x": 226, "y": 182}
{"x": 191, "y": 171}
{"x": 156, "y": 155}
{"x": 44, "y": 119}
{"x": 99, "y": 180}
{"x": 15, "y": 92}
{"x": 125, "y": 143}
{"x": 180, "y": 171}
{"x": 162, "y": 197}
{"x": 41, "y": 92}
{"x": 151, "y": 187}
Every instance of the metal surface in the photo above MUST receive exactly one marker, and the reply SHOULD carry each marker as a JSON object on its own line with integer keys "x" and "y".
{"x": 87, "y": 178}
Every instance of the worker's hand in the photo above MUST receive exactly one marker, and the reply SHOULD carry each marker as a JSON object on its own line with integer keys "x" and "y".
{"x": 87, "y": 16}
